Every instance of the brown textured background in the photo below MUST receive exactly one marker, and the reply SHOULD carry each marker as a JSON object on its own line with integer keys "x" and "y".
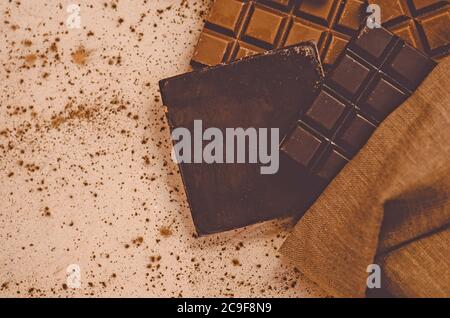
{"x": 85, "y": 161}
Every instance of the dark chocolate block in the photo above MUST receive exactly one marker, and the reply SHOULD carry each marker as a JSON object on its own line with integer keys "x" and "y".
{"x": 425, "y": 24}
{"x": 263, "y": 91}
{"x": 375, "y": 73}
{"x": 238, "y": 28}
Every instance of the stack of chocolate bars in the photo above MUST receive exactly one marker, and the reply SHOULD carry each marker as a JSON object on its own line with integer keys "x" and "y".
{"x": 323, "y": 73}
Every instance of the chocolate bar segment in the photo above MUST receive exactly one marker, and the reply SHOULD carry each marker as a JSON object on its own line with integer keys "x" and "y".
{"x": 238, "y": 28}
{"x": 262, "y": 91}
{"x": 425, "y": 24}
{"x": 375, "y": 73}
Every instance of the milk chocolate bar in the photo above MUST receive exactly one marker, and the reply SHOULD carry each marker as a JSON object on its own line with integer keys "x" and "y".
{"x": 238, "y": 28}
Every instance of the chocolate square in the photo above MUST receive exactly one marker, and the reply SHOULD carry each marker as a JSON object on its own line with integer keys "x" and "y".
{"x": 227, "y": 14}
{"x": 349, "y": 75}
{"x": 336, "y": 44}
{"x": 350, "y": 16}
{"x": 301, "y": 31}
{"x": 325, "y": 112}
{"x": 373, "y": 45}
{"x": 264, "y": 26}
{"x": 330, "y": 165}
{"x": 354, "y": 133}
{"x": 409, "y": 66}
{"x": 436, "y": 32}
{"x": 302, "y": 145}
{"x": 321, "y": 12}
{"x": 381, "y": 98}
{"x": 213, "y": 47}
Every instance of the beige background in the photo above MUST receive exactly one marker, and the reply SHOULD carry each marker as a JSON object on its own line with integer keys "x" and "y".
{"x": 85, "y": 161}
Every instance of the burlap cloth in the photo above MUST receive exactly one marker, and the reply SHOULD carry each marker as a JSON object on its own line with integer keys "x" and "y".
{"x": 389, "y": 206}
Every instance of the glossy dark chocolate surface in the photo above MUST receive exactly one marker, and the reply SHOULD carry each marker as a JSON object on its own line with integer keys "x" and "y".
{"x": 263, "y": 91}
{"x": 425, "y": 24}
{"x": 238, "y": 28}
{"x": 373, "y": 76}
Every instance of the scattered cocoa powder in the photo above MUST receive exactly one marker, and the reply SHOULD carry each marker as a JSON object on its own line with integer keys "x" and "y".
{"x": 80, "y": 56}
